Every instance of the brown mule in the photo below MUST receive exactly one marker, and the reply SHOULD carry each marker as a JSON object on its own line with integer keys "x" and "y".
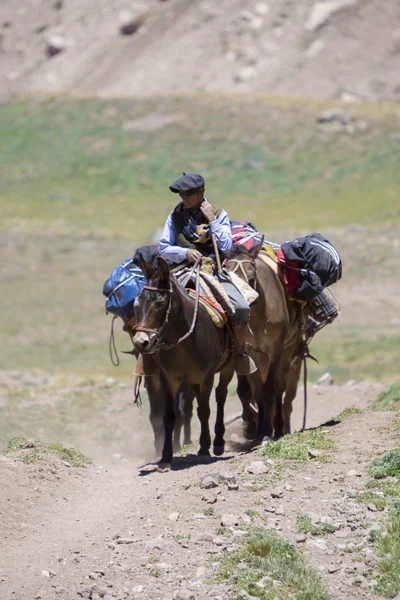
{"x": 272, "y": 337}
{"x": 188, "y": 348}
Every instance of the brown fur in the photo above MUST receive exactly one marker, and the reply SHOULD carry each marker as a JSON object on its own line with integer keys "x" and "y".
{"x": 272, "y": 339}
{"x": 193, "y": 361}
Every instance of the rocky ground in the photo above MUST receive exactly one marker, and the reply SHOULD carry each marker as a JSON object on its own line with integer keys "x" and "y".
{"x": 119, "y": 530}
{"x": 347, "y": 49}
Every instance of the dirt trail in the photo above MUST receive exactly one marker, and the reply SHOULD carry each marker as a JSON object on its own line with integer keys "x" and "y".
{"x": 134, "y": 533}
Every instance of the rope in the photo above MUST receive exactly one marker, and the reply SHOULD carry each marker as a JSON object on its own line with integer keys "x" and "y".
{"x": 111, "y": 345}
{"x": 305, "y": 391}
{"x": 196, "y": 309}
{"x": 136, "y": 391}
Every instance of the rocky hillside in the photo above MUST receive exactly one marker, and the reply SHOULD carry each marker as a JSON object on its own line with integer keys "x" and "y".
{"x": 347, "y": 49}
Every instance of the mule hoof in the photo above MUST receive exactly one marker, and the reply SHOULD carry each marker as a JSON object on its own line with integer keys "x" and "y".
{"x": 249, "y": 435}
{"x": 163, "y": 467}
{"x": 218, "y": 450}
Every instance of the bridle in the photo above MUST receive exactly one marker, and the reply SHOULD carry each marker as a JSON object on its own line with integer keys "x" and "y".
{"x": 160, "y": 291}
{"x": 158, "y": 332}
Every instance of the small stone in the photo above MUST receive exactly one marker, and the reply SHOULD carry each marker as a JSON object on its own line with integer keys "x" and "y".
{"x": 227, "y": 477}
{"x": 129, "y": 22}
{"x": 174, "y": 516}
{"x": 183, "y": 594}
{"x": 370, "y": 557}
{"x": 351, "y": 473}
{"x": 198, "y": 516}
{"x": 278, "y": 493}
{"x": 326, "y": 378}
{"x": 204, "y": 537}
{"x": 85, "y": 593}
{"x": 233, "y": 487}
{"x": 300, "y": 538}
{"x": 125, "y": 540}
{"x": 289, "y": 488}
{"x": 55, "y": 44}
{"x": 280, "y": 511}
{"x": 264, "y": 581}
{"x": 138, "y": 589}
{"x": 334, "y": 568}
{"x": 96, "y": 589}
{"x": 372, "y": 507}
{"x": 209, "y": 497}
{"x": 46, "y": 573}
{"x": 208, "y": 482}
{"x": 257, "y": 468}
{"x": 229, "y": 520}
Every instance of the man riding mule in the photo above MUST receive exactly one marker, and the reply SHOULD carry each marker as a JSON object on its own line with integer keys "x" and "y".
{"x": 188, "y": 234}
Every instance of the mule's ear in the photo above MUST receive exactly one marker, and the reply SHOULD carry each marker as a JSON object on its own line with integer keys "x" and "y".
{"x": 146, "y": 268}
{"x": 255, "y": 251}
{"x": 163, "y": 269}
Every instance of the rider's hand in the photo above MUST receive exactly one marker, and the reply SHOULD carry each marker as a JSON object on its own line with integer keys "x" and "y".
{"x": 207, "y": 210}
{"x": 192, "y": 255}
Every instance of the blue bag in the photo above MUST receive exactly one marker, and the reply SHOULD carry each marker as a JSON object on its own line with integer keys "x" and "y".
{"x": 121, "y": 289}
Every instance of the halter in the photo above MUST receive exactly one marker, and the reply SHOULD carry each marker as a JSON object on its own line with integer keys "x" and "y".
{"x": 161, "y": 291}
{"x": 239, "y": 265}
{"x": 158, "y": 332}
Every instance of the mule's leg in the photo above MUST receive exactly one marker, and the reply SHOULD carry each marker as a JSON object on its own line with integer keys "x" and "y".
{"x": 203, "y": 392}
{"x": 266, "y": 426}
{"x": 178, "y": 421}
{"x": 156, "y": 412}
{"x": 291, "y": 391}
{"x": 278, "y": 420}
{"x": 245, "y": 396}
{"x": 220, "y": 396}
{"x": 169, "y": 423}
{"x": 188, "y": 397}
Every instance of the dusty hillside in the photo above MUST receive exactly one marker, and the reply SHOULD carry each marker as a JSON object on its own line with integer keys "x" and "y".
{"x": 340, "y": 48}
{"x": 127, "y": 532}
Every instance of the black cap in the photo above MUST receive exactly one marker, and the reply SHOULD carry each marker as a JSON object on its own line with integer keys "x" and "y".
{"x": 188, "y": 182}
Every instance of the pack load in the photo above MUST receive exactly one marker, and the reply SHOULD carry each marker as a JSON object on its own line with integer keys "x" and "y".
{"x": 310, "y": 264}
{"x": 246, "y": 234}
{"x": 122, "y": 288}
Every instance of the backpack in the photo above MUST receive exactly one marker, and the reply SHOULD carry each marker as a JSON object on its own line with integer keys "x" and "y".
{"x": 310, "y": 264}
{"x": 122, "y": 288}
{"x": 245, "y": 233}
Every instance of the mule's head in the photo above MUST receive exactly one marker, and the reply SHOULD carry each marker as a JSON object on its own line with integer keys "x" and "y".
{"x": 242, "y": 261}
{"x": 152, "y": 306}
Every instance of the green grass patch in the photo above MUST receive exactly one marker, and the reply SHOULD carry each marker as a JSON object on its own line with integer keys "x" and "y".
{"x": 209, "y": 512}
{"x": 296, "y": 446}
{"x": 347, "y": 412}
{"x": 347, "y": 355}
{"x": 305, "y": 525}
{"x": 62, "y": 158}
{"x": 33, "y": 451}
{"x": 263, "y": 553}
{"x": 387, "y": 466}
{"x": 389, "y": 399}
{"x": 373, "y": 497}
{"x": 389, "y": 556}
